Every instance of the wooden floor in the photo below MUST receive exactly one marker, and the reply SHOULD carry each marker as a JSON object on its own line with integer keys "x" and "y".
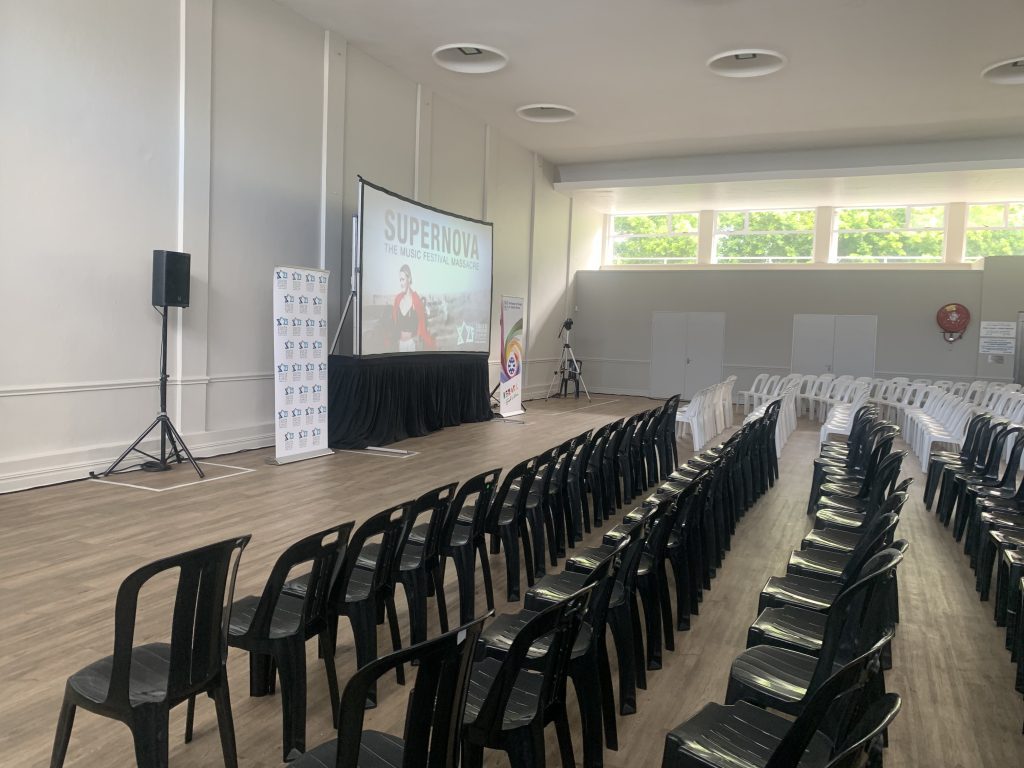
{"x": 65, "y": 549}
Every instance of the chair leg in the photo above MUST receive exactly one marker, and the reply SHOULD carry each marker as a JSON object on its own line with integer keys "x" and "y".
{"x": 62, "y": 738}
{"x": 324, "y": 641}
{"x": 467, "y": 581}
{"x": 261, "y": 674}
{"x": 291, "y": 666}
{"x": 396, "y": 634}
{"x": 664, "y": 599}
{"x": 485, "y": 569}
{"x": 416, "y": 597}
{"x": 604, "y": 671}
{"x": 622, "y": 633}
{"x": 511, "y": 547}
{"x": 149, "y": 727}
{"x": 225, "y": 722}
{"x": 588, "y": 694}
{"x": 363, "y": 615}
{"x": 564, "y": 737}
{"x": 436, "y": 577}
{"x": 190, "y": 717}
{"x": 652, "y": 621}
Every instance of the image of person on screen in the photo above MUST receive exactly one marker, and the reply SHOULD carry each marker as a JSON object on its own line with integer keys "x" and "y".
{"x": 410, "y": 316}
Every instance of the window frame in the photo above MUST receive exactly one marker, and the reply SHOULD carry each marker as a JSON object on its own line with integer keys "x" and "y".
{"x": 888, "y": 259}
{"x": 608, "y": 257}
{"x": 1004, "y": 228}
{"x": 746, "y": 231}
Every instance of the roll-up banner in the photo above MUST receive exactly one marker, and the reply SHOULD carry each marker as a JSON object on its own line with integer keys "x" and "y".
{"x": 300, "y": 363}
{"x": 513, "y": 354}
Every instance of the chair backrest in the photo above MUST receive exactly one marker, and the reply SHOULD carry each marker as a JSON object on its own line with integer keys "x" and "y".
{"x": 857, "y": 675}
{"x": 523, "y": 473}
{"x": 435, "y": 503}
{"x": 324, "y": 551}
{"x": 562, "y": 622}
{"x": 478, "y": 491}
{"x": 863, "y": 744}
{"x": 433, "y": 716}
{"x": 879, "y": 530}
{"x": 392, "y": 526}
{"x": 757, "y": 386}
{"x": 199, "y": 620}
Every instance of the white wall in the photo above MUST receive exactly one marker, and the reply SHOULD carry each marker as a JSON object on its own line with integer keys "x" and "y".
{"x": 245, "y": 154}
{"x": 614, "y": 318}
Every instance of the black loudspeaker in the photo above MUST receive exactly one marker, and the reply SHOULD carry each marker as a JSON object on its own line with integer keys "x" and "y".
{"x": 170, "y": 278}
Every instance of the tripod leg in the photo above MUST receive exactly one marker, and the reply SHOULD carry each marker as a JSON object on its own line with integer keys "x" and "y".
{"x": 188, "y": 454}
{"x": 109, "y": 470}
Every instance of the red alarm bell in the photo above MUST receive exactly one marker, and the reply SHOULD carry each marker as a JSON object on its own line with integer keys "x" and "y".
{"x": 953, "y": 319}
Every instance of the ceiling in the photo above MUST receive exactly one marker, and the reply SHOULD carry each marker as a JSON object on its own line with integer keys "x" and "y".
{"x": 859, "y": 72}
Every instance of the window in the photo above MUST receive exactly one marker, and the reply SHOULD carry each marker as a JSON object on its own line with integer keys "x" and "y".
{"x": 994, "y": 229}
{"x": 657, "y": 239}
{"x": 764, "y": 237}
{"x": 891, "y": 235}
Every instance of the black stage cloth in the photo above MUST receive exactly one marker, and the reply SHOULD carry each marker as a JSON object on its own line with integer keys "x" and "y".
{"x": 381, "y": 400}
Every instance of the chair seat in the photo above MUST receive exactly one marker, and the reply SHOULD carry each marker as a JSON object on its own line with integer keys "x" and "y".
{"x": 736, "y": 736}
{"x": 789, "y": 627}
{"x": 376, "y": 750}
{"x": 522, "y": 703}
{"x": 147, "y": 682}
{"x": 838, "y": 518}
{"x": 461, "y": 534}
{"x": 285, "y": 622}
{"x": 586, "y": 560}
{"x": 817, "y": 563}
{"x": 834, "y": 539}
{"x": 368, "y": 555}
{"x": 801, "y": 591}
{"x": 554, "y": 588}
{"x": 418, "y": 534}
{"x": 359, "y": 585}
{"x": 781, "y": 675}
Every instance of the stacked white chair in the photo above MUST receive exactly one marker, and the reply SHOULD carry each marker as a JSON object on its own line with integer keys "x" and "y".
{"x": 727, "y": 408}
{"x": 840, "y": 418}
{"x": 787, "y": 412}
{"x": 755, "y": 389}
{"x": 707, "y": 414}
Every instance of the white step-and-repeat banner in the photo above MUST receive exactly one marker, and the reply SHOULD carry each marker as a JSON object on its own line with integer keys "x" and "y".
{"x": 510, "y": 402}
{"x": 300, "y": 363}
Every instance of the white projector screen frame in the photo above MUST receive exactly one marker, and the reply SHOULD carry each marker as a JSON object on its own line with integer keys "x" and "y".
{"x": 456, "y": 320}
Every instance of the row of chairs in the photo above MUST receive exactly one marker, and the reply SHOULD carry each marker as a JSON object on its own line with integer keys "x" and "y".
{"x": 518, "y": 674}
{"x": 818, "y": 648}
{"x": 787, "y": 418}
{"x": 708, "y": 414}
{"x": 544, "y": 503}
{"x": 982, "y": 498}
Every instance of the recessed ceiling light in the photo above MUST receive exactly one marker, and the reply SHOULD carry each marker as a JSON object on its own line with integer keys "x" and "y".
{"x": 748, "y": 62}
{"x": 546, "y": 113}
{"x": 1009, "y": 72}
{"x": 470, "y": 58}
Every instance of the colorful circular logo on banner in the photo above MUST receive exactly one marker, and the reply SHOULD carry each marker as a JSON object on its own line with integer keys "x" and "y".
{"x": 513, "y": 360}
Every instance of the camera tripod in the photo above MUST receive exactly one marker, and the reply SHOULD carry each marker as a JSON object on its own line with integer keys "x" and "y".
{"x": 569, "y": 369}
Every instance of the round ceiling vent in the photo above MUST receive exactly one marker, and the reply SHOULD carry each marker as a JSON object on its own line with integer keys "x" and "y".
{"x": 749, "y": 62}
{"x": 1010, "y": 72}
{"x": 470, "y": 58}
{"x": 546, "y": 113}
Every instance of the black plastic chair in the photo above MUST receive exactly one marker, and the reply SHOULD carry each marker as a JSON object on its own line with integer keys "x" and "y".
{"x": 842, "y": 726}
{"x": 668, "y": 451}
{"x": 364, "y": 590}
{"x": 509, "y": 703}
{"x": 577, "y": 484}
{"x": 463, "y": 539}
{"x": 784, "y": 678}
{"x": 431, "y": 737}
{"x": 990, "y": 462}
{"x": 1001, "y": 488}
{"x": 138, "y": 685}
{"x": 505, "y": 523}
{"x": 652, "y": 585}
{"x": 419, "y": 567}
{"x": 589, "y": 667}
{"x": 963, "y": 458}
{"x": 275, "y": 626}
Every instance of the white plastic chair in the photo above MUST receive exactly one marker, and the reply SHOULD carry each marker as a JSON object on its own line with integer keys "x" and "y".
{"x": 755, "y": 389}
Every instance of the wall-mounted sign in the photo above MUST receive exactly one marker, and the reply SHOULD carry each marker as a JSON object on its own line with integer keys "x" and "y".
{"x": 1000, "y": 329}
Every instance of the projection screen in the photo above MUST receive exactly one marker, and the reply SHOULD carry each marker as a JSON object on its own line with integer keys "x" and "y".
{"x": 425, "y": 277}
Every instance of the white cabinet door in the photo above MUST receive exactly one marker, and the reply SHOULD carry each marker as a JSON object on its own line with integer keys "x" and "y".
{"x": 668, "y": 353}
{"x": 705, "y": 350}
{"x": 813, "y": 343}
{"x": 855, "y": 345}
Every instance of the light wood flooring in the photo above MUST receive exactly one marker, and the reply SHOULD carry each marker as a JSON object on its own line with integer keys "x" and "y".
{"x": 65, "y": 549}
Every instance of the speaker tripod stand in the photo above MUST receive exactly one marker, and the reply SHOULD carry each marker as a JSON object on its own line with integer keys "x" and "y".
{"x": 172, "y": 446}
{"x": 568, "y": 370}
